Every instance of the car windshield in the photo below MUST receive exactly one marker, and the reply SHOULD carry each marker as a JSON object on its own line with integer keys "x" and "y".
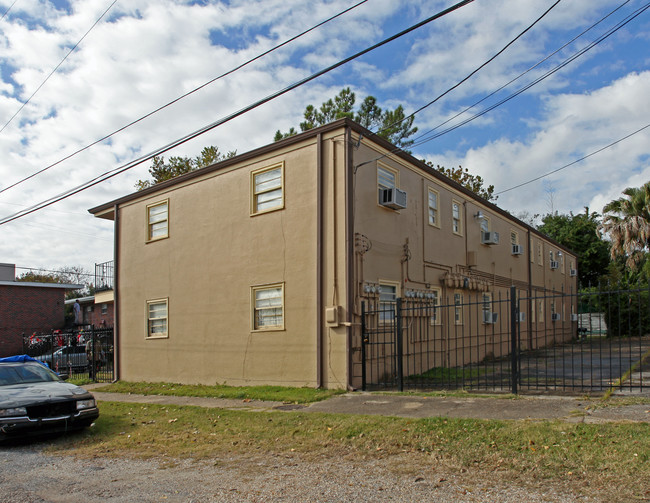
{"x": 26, "y": 373}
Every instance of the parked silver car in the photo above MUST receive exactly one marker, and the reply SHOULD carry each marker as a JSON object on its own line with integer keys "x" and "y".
{"x": 67, "y": 358}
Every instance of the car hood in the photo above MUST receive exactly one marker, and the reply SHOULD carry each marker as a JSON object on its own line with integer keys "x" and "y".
{"x": 20, "y": 395}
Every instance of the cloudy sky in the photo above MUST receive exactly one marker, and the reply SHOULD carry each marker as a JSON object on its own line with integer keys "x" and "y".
{"x": 143, "y": 54}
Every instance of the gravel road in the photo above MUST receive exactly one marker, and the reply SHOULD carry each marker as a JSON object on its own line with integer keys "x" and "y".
{"x": 28, "y": 474}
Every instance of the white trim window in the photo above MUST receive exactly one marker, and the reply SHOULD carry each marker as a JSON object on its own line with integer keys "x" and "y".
{"x": 456, "y": 218}
{"x": 157, "y": 317}
{"x": 386, "y": 178}
{"x": 268, "y": 307}
{"x": 267, "y": 187}
{"x": 433, "y": 208}
{"x": 388, "y": 301}
{"x": 158, "y": 221}
{"x": 436, "y": 318}
{"x": 458, "y": 308}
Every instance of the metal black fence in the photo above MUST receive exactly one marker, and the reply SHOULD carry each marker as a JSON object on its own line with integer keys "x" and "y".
{"x": 84, "y": 352}
{"x": 590, "y": 341}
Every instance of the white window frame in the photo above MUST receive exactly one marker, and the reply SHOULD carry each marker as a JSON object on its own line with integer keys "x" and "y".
{"x": 531, "y": 249}
{"x": 540, "y": 253}
{"x": 514, "y": 237}
{"x": 150, "y": 334}
{"x": 382, "y": 179}
{"x": 257, "y": 192}
{"x": 457, "y": 221}
{"x": 158, "y": 220}
{"x": 433, "y": 215}
{"x": 458, "y": 308}
{"x": 436, "y": 318}
{"x": 486, "y": 306}
{"x": 388, "y": 315}
{"x": 257, "y": 307}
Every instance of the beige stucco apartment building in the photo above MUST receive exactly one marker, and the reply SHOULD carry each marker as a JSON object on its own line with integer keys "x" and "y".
{"x": 253, "y": 270}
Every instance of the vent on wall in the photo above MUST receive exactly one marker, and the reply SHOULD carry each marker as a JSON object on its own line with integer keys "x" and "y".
{"x": 392, "y": 198}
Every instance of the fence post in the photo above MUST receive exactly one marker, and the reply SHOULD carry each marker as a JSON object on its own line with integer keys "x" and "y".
{"x": 513, "y": 338}
{"x": 398, "y": 339}
{"x": 363, "y": 345}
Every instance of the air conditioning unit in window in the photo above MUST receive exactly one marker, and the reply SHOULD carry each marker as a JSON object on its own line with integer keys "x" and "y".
{"x": 574, "y": 317}
{"x": 392, "y": 198}
{"x": 517, "y": 249}
{"x": 555, "y": 317}
{"x": 521, "y": 316}
{"x": 489, "y": 317}
{"x": 573, "y": 273}
{"x": 554, "y": 264}
{"x": 490, "y": 238}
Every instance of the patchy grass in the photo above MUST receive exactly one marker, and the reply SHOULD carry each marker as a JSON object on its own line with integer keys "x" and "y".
{"x": 273, "y": 393}
{"x": 604, "y": 459}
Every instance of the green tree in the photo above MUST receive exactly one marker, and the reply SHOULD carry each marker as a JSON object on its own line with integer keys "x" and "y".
{"x": 475, "y": 183}
{"x": 579, "y": 233}
{"x": 176, "y": 166}
{"x": 393, "y": 125}
{"x": 627, "y": 222}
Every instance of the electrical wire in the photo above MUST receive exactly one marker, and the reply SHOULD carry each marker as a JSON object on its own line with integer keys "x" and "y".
{"x": 176, "y": 100}
{"x": 475, "y": 71}
{"x": 57, "y": 66}
{"x": 574, "y": 162}
{"x": 8, "y": 9}
{"x": 109, "y": 174}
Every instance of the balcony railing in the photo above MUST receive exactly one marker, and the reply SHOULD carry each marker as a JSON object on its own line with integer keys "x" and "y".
{"x": 104, "y": 276}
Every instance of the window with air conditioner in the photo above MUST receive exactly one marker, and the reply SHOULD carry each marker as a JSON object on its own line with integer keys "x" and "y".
{"x": 389, "y": 195}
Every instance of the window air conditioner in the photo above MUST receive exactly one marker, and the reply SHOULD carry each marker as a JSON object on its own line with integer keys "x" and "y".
{"x": 392, "y": 198}
{"x": 521, "y": 317}
{"x": 489, "y": 317}
{"x": 574, "y": 317}
{"x": 490, "y": 238}
{"x": 517, "y": 249}
{"x": 555, "y": 317}
{"x": 554, "y": 264}
{"x": 573, "y": 272}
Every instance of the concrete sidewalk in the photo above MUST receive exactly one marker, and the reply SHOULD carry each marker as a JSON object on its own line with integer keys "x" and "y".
{"x": 522, "y": 408}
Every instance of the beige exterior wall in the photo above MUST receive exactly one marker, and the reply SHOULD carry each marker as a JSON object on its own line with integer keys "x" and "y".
{"x": 215, "y": 253}
{"x": 402, "y": 247}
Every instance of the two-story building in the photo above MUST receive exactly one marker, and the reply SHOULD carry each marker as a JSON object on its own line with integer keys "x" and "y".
{"x": 253, "y": 270}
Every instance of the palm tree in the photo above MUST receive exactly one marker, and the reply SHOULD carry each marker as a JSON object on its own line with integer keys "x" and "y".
{"x": 627, "y": 221}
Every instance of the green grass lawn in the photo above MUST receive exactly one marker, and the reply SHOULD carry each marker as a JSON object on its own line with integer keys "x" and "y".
{"x": 273, "y": 393}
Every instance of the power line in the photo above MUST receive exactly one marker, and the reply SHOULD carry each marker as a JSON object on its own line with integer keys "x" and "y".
{"x": 72, "y": 273}
{"x": 176, "y": 100}
{"x": 57, "y": 66}
{"x": 475, "y": 71}
{"x": 576, "y": 161}
{"x": 581, "y": 52}
{"x": 8, "y": 9}
{"x": 109, "y": 174}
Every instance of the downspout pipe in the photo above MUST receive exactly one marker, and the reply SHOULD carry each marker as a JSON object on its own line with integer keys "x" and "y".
{"x": 319, "y": 260}
{"x": 349, "y": 245}
{"x": 116, "y": 295}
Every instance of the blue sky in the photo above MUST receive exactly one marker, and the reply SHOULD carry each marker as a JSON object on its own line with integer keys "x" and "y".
{"x": 143, "y": 54}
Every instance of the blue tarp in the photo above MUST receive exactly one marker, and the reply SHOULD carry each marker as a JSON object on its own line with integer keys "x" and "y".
{"x": 22, "y": 359}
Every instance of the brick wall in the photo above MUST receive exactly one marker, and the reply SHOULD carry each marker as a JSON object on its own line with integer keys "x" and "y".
{"x": 100, "y": 319}
{"x": 28, "y": 309}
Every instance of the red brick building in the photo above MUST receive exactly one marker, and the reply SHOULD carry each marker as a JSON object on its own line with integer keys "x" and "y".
{"x": 27, "y": 307}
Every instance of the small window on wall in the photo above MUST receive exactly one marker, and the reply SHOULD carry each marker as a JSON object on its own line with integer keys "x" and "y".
{"x": 540, "y": 310}
{"x": 530, "y": 249}
{"x": 267, "y": 188}
{"x": 486, "y": 307}
{"x": 458, "y": 308}
{"x": 387, "y": 301}
{"x": 433, "y": 208}
{"x": 514, "y": 238}
{"x": 157, "y": 318}
{"x": 485, "y": 224}
{"x": 104, "y": 308}
{"x": 158, "y": 221}
{"x": 540, "y": 254}
{"x": 386, "y": 178}
{"x": 436, "y": 318}
{"x": 456, "y": 218}
{"x": 268, "y": 307}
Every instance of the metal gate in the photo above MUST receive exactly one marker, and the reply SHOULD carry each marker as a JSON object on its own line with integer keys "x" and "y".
{"x": 591, "y": 341}
{"x": 79, "y": 353}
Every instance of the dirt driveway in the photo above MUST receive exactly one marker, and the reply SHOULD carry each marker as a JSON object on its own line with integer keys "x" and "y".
{"x": 30, "y": 475}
